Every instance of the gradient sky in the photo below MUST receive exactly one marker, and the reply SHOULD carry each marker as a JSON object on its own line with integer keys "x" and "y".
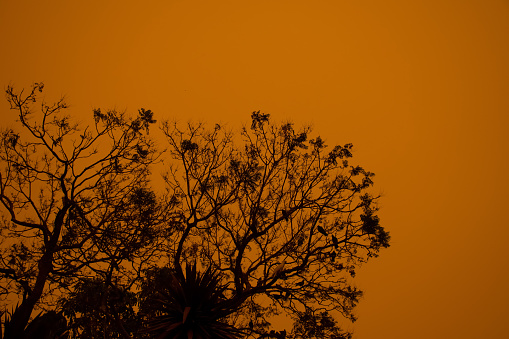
{"x": 421, "y": 88}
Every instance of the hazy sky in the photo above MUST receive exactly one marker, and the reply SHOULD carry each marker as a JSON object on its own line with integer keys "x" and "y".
{"x": 421, "y": 88}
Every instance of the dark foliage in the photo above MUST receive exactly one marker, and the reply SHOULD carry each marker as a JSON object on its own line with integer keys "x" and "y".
{"x": 98, "y": 310}
{"x": 285, "y": 219}
{"x": 278, "y": 222}
{"x": 76, "y": 202}
{"x": 187, "y": 307}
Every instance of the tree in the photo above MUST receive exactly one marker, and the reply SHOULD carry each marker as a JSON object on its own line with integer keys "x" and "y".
{"x": 283, "y": 218}
{"x": 311, "y": 325}
{"x": 99, "y": 310}
{"x": 271, "y": 221}
{"x": 77, "y": 202}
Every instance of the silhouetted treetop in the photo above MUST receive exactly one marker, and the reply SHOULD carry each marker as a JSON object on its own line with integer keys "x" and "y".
{"x": 279, "y": 213}
{"x": 242, "y": 226}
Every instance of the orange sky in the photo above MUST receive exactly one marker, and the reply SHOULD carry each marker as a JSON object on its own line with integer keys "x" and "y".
{"x": 421, "y": 88}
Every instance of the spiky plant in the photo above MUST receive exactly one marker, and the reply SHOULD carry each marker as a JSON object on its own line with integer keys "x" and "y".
{"x": 190, "y": 306}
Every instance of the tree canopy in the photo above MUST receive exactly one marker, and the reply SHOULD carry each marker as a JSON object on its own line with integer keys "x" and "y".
{"x": 267, "y": 221}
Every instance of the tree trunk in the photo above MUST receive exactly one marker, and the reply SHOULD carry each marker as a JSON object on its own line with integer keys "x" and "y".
{"x": 19, "y": 320}
{"x": 21, "y": 316}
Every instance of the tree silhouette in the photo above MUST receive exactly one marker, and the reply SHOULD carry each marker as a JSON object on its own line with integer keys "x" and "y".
{"x": 270, "y": 221}
{"x": 284, "y": 218}
{"x": 99, "y": 310}
{"x": 77, "y": 202}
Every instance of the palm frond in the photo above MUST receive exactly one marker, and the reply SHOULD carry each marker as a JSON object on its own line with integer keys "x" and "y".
{"x": 192, "y": 307}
